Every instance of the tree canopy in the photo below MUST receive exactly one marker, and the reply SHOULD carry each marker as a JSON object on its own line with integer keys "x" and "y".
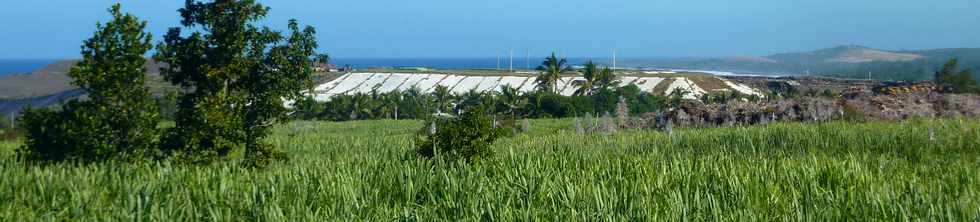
{"x": 237, "y": 77}
{"x": 119, "y": 119}
{"x": 551, "y": 70}
{"x": 951, "y": 80}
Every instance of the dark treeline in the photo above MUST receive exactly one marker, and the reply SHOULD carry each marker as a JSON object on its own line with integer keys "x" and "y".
{"x": 415, "y": 104}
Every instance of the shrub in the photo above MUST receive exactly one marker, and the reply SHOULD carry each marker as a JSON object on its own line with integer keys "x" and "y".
{"x": 119, "y": 119}
{"x": 622, "y": 112}
{"x": 468, "y": 137}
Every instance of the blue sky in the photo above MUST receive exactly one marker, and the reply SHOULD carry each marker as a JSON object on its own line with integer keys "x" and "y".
{"x": 580, "y": 28}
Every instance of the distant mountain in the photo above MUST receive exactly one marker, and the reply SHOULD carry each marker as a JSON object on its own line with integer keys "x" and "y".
{"x": 850, "y": 61}
{"x": 50, "y": 85}
{"x": 844, "y": 54}
{"x": 42, "y": 82}
{"x": 48, "y": 80}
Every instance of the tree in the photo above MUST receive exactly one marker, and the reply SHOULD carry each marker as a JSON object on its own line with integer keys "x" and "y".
{"x": 390, "y": 102}
{"x": 119, "y": 120}
{"x": 551, "y": 70}
{"x": 468, "y": 137}
{"x": 590, "y": 74}
{"x": 606, "y": 79}
{"x": 443, "y": 97}
{"x": 511, "y": 100}
{"x": 952, "y": 82}
{"x": 236, "y": 76}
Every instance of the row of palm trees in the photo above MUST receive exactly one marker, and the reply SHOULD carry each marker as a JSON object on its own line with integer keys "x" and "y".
{"x": 415, "y": 104}
{"x": 594, "y": 78}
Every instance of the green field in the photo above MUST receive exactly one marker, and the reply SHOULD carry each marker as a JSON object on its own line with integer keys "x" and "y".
{"x": 922, "y": 169}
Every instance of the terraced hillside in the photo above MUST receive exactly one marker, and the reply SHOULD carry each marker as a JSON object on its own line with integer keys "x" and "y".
{"x": 352, "y": 83}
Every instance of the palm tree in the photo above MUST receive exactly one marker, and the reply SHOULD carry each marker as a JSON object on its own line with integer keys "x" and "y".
{"x": 390, "y": 102}
{"x": 606, "y": 79}
{"x": 442, "y": 96}
{"x": 512, "y": 99}
{"x": 551, "y": 70}
{"x": 362, "y": 106}
{"x": 590, "y": 73}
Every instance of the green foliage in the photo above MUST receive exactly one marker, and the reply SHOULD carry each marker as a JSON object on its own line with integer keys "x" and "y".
{"x": 606, "y": 79}
{"x": 952, "y": 81}
{"x": 357, "y": 171}
{"x": 236, "y": 76}
{"x": 509, "y": 102}
{"x": 589, "y": 73}
{"x": 551, "y": 70}
{"x": 467, "y": 137}
{"x": 726, "y": 96}
{"x": 119, "y": 119}
{"x": 168, "y": 105}
{"x": 676, "y": 97}
{"x": 595, "y": 80}
{"x": 5, "y": 122}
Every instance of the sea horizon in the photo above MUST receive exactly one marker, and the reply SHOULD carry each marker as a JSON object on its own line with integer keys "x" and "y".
{"x": 23, "y": 66}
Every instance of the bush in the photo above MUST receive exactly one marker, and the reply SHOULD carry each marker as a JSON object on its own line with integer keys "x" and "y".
{"x": 119, "y": 120}
{"x": 468, "y": 137}
{"x": 85, "y": 132}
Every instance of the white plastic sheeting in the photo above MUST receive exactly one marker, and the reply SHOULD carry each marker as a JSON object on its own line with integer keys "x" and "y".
{"x": 489, "y": 84}
{"x": 430, "y": 82}
{"x": 451, "y": 81}
{"x": 330, "y": 85}
{"x": 370, "y": 84}
{"x": 386, "y": 82}
{"x": 351, "y": 82}
{"x": 529, "y": 85}
{"x": 414, "y": 81}
{"x": 567, "y": 85}
{"x": 695, "y": 92}
{"x": 648, "y": 83}
{"x": 627, "y": 80}
{"x": 742, "y": 88}
{"x": 394, "y": 81}
{"x": 468, "y": 83}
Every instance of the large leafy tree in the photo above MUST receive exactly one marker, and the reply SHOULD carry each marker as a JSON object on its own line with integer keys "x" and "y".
{"x": 237, "y": 76}
{"x": 551, "y": 70}
{"x": 119, "y": 119}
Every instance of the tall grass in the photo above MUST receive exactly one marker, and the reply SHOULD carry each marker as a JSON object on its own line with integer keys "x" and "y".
{"x": 364, "y": 171}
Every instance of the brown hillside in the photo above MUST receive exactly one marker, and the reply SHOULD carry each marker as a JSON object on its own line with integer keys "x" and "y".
{"x": 48, "y": 80}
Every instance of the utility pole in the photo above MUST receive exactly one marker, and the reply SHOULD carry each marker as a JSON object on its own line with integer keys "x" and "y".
{"x": 511, "y": 60}
{"x": 498, "y": 61}
{"x": 527, "y": 63}
{"x": 614, "y": 60}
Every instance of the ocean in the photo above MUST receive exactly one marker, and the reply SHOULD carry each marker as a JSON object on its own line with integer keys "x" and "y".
{"x": 452, "y": 63}
{"x": 20, "y": 66}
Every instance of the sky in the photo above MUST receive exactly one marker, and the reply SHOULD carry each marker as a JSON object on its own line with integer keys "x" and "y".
{"x": 54, "y": 29}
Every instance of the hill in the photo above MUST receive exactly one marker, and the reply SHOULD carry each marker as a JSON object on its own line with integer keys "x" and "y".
{"x": 850, "y": 61}
{"x": 52, "y": 79}
{"x": 50, "y": 85}
{"x": 844, "y": 54}
{"x": 42, "y": 82}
